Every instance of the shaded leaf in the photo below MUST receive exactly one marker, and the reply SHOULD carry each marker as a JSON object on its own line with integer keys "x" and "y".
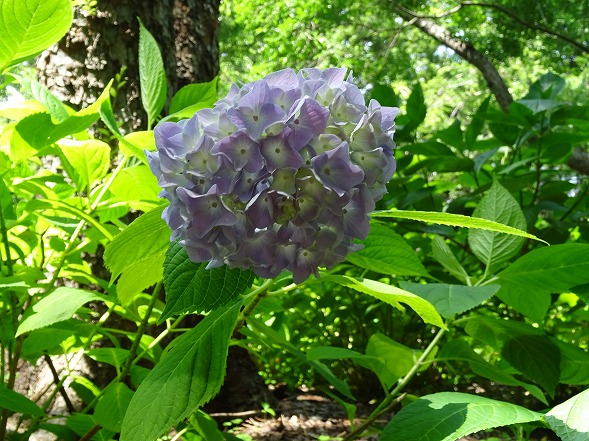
{"x": 451, "y": 300}
{"x": 192, "y": 94}
{"x": 110, "y": 409}
{"x": 16, "y": 402}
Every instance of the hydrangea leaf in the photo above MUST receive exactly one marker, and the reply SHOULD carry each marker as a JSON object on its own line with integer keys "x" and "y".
{"x": 490, "y": 247}
{"x": 448, "y": 416}
{"x": 190, "y": 287}
{"x": 443, "y": 254}
{"x": 188, "y": 377}
{"x": 569, "y": 419}
{"x": 451, "y": 300}
{"x": 152, "y": 75}
{"x": 28, "y": 28}
{"x": 56, "y": 307}
{"x": 386, "y": 252}
{"x": 392, "y": 295}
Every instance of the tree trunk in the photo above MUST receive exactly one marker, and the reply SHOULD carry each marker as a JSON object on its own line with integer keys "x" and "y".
{"x": 103, "y": 44}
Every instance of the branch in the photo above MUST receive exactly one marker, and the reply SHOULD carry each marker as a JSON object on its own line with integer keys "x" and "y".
{"x": 464, "y": 50}
{"x": 510, "y": 14}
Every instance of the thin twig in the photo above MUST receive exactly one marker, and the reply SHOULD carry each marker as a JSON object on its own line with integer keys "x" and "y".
{"x": 59, "y": 384}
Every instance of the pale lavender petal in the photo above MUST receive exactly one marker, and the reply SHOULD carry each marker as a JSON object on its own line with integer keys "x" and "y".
{"x": 278, "y": 153}
{"x": 241, "y": 151}
{"x": 335, "y": 170}
{"x": 308, "y": 122}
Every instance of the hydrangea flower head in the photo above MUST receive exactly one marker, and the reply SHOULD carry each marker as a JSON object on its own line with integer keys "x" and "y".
{"x": 281, "y": 174}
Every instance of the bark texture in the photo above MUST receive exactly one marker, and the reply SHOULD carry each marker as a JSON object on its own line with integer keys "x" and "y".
{"x": 467, "y": 52}
{"x": 103, "y": 44}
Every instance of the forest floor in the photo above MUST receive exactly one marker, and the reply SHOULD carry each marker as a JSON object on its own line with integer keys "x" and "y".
{"x": 310, "y": 417}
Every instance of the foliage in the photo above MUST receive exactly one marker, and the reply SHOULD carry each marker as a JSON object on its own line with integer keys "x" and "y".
{"x": 426, "y": 308}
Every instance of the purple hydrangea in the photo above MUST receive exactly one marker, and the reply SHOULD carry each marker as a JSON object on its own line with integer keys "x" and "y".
{"x": 281, "y": 174}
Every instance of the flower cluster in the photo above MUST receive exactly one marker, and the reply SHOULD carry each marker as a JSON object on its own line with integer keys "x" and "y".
{"x": 280, "y": 175}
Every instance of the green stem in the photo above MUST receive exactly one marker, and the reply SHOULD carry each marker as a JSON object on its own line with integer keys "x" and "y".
{"x": 140, "y": 331}
{"x": 392, "y": 396}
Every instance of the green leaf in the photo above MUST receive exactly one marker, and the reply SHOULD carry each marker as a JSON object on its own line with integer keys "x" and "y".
{"x": 396, "y": 359}
{"x": 569, "y": 419}
{"x": 138, "y": 187}
{"x": 58, "y": 306}
{"x": 460, "y": 350}
{"x": 55, "y": 107}
{"x": 574, "y": 363}
{"x": 535, "y": 356}
{"x": 443, "y": 254}
{"x": 495, "y": 332}
{"x": 556, "y": 268}
{"x": 527, "y": 283}
{"x": 456, "y": 220}
{"x": 192, "y": 94}
{"x": 110, "y": 409}
{"x": 490, "y": 247}
{"x": 477, "y": 123}
{"x": 138, "y": 276}
{"x": 386, "y": 252}
{"x": 390, "y": 294}
{"x": 152, "y": 75}
{"x": 266, "y": 335}
{"x": 89, "y": 159}
{"x": 188, "y": 377}
{"x": 190, "y": 287}
{"x": 113, "y": 356}
{"x": 146, "y": 237}
{"x": 451, "y": 300}
{"x": 335, "y": 353}
{"x": 28, "y": 28}
{"x": 448, "y": 416}
{"x": 16, "y": 402}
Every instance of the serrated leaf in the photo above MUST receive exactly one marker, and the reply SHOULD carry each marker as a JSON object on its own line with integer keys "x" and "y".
{"x": 456, "y": 220}
{"x": 16, "y": 402}
{"x": 569, "y": 419}
{"x": 110, "y": 409}
{"x": 113, "y": 356}
{"x": 191, "y": 94}
{"x": 495, "y": 332}
{"x": 188, "y": 377}
{"x": 89, "y": 159}
{"x": 28, "y": 28}
{"x": 135, "y": 144}
{"x": 443, "y": 254}
{"x": 58, "y": 306}
{"x": 152, "y": 75}
{"x": 392, "y": 295}
{"x": 190, "y": 287}
{"x": 448, "y": 416}
{"x": 386, "y": 252}
{"x": 490, "y": 247}
{"x": 146, "y": 237}
{"x": 451, "y": 300}
{"x": 535, "y": 356}
{"x": 55, "y": 107}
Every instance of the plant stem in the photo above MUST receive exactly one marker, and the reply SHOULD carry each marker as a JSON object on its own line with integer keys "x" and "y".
{"x": 385, "y": 405}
